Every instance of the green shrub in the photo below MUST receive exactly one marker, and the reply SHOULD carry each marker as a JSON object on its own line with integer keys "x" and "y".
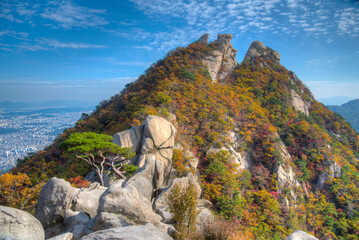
{"x": 182, "y": 203}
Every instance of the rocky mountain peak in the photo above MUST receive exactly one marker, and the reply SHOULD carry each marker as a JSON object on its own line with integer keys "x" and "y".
{"x": 221, "y": 60}
{"x": 204, "y": 39}
{"x": 257, "y": 49}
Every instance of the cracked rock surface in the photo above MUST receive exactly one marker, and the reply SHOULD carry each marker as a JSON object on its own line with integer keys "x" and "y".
{"x": 18, "y": 224}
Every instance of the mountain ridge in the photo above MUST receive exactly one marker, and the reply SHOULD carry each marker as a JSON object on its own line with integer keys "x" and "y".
{"x": 350, "y": 111}
{"x": 266, "y": 148}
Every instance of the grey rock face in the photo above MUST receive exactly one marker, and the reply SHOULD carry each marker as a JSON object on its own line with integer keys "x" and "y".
{"x": 299, "y": 104}
{"x": 18, "y": 224}
{"x": 154, "y": 139}
{"x": 334, "y": 171}
{"x": 148, "y": 232}
{"x": 300, "y": 235}
{"x": 74, "y": 218}
{"x": 257, "y": 49}
{"x": 126, "y": 202}
{"x": 130, "y": 138}
{"x": 55, "y": 198}
{"x": 87, "y": 200}
{"x": 285, "y": 174}
{"x": 161, "y": 131}
{"x": 204, "y": 218}
{"x": 108, "y": 220}
{"x": 148, "y": 178}
{"x": 222, "y": 59}
{"x": 204, "y": 39}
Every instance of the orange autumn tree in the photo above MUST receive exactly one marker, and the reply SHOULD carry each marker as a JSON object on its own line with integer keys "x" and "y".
{"x": 17, "y": 191}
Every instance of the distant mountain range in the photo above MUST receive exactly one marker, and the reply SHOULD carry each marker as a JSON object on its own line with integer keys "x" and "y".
{"x": 350, "y": 111}
{"x": 337, "y": 100}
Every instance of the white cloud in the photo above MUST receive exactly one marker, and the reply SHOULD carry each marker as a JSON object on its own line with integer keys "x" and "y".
{"x": 14, "y": 34}
{"x": 56, "y": 44}
{"x": 348, "y": 22}
{"x": 69, "y": 15}
{"x": 46, "y": 44}
{"x": 17, "y": 11}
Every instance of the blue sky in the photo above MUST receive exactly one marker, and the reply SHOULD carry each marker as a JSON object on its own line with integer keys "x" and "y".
{"x": 88, "y": 50}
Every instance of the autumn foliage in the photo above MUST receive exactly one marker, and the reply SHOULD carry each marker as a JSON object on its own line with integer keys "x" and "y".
{"x": 254, "y": 102}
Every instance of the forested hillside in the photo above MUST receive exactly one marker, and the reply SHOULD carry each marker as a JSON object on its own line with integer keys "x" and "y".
{"x": 271, "y": 158}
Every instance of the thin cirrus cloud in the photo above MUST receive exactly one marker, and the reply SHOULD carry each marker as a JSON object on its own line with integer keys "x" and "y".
{"x": 56, "y": 44}
{"x": 69, "y": 15}
{"x": 64, "y": 13}
{"x": 348, "y": 22}
{"x": 46, "y": 44}
{"x": 318, "y": 19}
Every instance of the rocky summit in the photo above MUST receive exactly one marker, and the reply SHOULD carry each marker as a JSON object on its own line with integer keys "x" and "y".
{"x": 198, "y": 147}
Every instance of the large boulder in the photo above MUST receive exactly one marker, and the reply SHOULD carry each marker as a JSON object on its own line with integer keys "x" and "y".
{"x": 130, "y": 138}
{"x": 300, "y": 235}
{"x": 106, "y": 220}
{"x": 148, "y": 178}
{"x": 55, "y": 198}
{"x": 161, "y": 131}
{"x": 153, "y": 142}
{"x": 148, "y": 232}
{"x": 204, "y": 218}
{"x": 87, "y": 199}
{"x": 126, "y": 202}
{"x": 18, "y": 224}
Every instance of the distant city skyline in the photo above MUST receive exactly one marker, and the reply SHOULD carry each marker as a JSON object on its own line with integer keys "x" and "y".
{"x": 89, "y": 50}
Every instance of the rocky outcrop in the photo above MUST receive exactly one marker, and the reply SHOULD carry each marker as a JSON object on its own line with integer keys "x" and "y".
{"x": 61, "y": 206}
{"x": 285, "y": 173}
{"x": 148, "y": 232}
{"x": 18, "y": 224}
{"x": 333, "y": 171}
{"x": 297, "y": 101}
{"x": 299, "y": 104}
{"x": 300, "y": 235}
{"x": 221, "y": 60}
{"x": 55, "y": 198}
{"x": 149, "y": 178}
{"x": 258, "y": 49}
{"x": 204, "y": 218}
{"x": 203, "y": 39}
{"x": 130, "y": 138}
{"x": 126, "y": 203}
{"x": 242, "y": 158}
{"x": 153, "y": 138}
